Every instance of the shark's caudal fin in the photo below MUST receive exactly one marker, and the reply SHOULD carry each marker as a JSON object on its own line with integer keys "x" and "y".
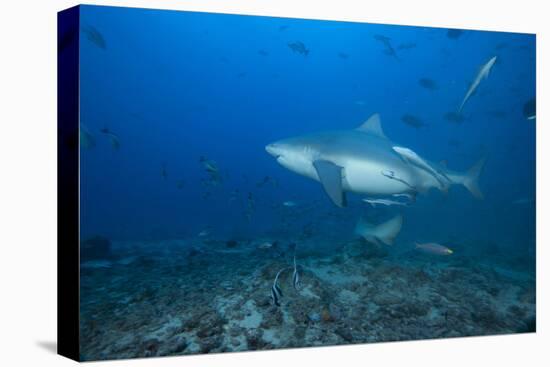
{"x": 471, "y": 178}
{"x": 383, "y": 232}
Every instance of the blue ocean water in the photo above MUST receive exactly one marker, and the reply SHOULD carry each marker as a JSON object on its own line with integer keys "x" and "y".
{"x": 179, "y": 107}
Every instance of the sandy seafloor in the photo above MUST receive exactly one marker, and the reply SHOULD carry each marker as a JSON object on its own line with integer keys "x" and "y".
{"x": 179, "y": 297}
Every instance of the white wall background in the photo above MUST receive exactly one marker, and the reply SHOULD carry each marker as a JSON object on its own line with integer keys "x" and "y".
{"x": 28, "y": 182}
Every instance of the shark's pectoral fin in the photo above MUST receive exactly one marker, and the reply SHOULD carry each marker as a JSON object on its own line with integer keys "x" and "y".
{"x": 330, "y": 176}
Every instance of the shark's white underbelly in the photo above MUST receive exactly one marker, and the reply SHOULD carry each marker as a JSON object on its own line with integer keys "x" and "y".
{"x": 368, "y": 178}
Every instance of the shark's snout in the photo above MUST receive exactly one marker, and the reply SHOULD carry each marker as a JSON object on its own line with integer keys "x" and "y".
{"x": 273, "y": 149}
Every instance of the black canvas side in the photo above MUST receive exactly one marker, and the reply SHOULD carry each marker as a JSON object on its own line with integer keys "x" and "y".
{"x": 67, "y": 183}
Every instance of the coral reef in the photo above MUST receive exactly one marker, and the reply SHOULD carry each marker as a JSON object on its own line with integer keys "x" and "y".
{"x": 187, "y": 298}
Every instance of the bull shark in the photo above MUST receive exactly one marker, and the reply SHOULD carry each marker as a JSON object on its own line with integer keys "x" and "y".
{"x": 363, "y": 161}
{"x": 483, "y": 73}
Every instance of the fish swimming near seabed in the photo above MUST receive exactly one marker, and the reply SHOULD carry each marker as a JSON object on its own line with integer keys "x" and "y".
{"x": 276, "y": 292}
{"x": 433, "y": 248}
{"x": 383, "y": 233}
{"x": 483, "y": 73}
{"x": 295, "y": 275}
{"x": 362, "y": 161}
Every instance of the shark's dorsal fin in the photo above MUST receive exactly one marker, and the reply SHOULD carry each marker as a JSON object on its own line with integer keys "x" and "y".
{"x": 330, "y": 176}
{"x": 372, "y": 126}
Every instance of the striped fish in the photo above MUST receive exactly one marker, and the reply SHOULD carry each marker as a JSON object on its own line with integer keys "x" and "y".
{"x": 295, "y": 275}
{"x": 276, "y": 292}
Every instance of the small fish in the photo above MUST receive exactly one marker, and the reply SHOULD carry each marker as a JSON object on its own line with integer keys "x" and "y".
{"x": 386, "y": 202}
{"x": 299, "y": 47}
{"x": 483, "y": 73}
{"x": 289, "y": 204}
{"x": 163, "y": 171}
{"x": 433, "y": 248}
{"x": 454, "y": 33}
{"x": 263, "y": 53}
{"x": 265, "y": 245}
{"x": 94, "y": 36}
{"x": 343, "y": 55}
{"x": 388, "y": 48}
{"x": 454, "y": 117}
{"x": 115, "y": 142}
{"x": 360, "y": 103}
{"x": 276, "y": 292}
{"x": 204, "y": 233}
{"x": 427, "y": 83}
{"x": 381, "y": 38}
{"x": 413, "y": 121}
{"x": 283, "y": 28}
{"x": 295, "y": 275}
{"x": 180, "y": 184}
{"x": 267, "y": 180}
{"x": 530, "y": 109}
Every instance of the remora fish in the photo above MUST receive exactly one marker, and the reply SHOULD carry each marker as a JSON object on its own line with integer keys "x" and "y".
{"x": 482, "y": 74}
{"x": 433, "y": 248}
{"x": 362, "y": 161}
{"x": 414, "y": 158}
{"x": 387, "y": 202}
{"x": 382, "y": 233}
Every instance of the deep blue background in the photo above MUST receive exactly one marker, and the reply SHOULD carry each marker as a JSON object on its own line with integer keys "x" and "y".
{"x": 175, "y": 86}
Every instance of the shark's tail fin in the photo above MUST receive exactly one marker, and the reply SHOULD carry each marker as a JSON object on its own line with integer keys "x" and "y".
{"x": 471, "y": 178}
